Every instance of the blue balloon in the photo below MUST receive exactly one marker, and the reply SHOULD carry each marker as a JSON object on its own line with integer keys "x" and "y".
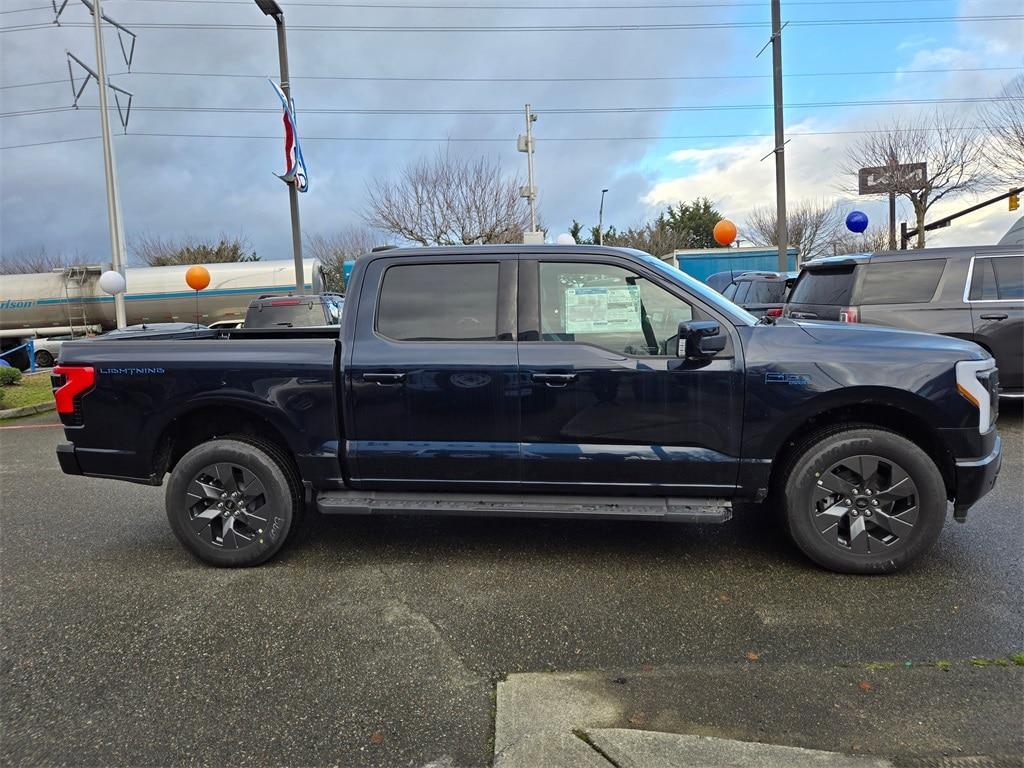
{"x": 857, "y": 221}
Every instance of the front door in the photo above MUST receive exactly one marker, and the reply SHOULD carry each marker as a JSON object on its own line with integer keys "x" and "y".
{"x": 610, "y": 407}
{"x": 435, "y": 403}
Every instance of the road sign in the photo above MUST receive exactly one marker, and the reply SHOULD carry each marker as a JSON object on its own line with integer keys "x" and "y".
{"x": 885, "y": 179}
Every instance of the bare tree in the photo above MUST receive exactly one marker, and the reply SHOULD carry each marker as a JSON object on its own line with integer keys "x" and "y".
{"x": 812, "y": 224}
{"x": 449, "y": 201}
{"x": 1004, "y": 124}
{"x": 872, "y": 240}
{"x": 946, "y": 143}
{"x": 154, "y": 251}
{"x": 334, "y": 249}
{"x": 37, "y": 259}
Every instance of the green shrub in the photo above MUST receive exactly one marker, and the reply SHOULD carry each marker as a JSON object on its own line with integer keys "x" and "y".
{"x": 9, "y": 375}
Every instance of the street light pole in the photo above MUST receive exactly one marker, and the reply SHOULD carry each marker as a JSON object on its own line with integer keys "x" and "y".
{"x": 272, "y": 9}
{"x": 109, "y": 169}
{"x": 782, "y": 233}
{"x": 600, "y": 220}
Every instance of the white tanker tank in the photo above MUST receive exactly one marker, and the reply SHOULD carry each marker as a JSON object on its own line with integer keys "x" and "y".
{"x": 69, "y": 301}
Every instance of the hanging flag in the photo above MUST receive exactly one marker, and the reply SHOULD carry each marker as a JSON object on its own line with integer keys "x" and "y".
{"x": 295, "y": 165}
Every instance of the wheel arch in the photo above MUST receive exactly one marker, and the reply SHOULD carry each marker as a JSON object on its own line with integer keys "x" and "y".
{"x": 871, "y": 408}
{"x": 210, "y": 420}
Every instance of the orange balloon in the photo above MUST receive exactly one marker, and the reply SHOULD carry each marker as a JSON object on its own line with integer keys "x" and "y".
{"x": 725, "y": 232}
{"x": 197, "y": 277}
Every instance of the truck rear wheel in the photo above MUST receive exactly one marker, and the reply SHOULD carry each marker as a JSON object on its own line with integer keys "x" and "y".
{"x": 863, "y": 500}
{"x": 233, "y": 502}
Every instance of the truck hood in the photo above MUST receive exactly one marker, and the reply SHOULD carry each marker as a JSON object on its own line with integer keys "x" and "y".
{"x": 889, "y": 339}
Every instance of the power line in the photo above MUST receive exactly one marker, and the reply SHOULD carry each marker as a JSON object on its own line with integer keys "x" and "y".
{"x": 583, "y": 7}
{"x": 546, "y": 28}
{"x": 501, "y": 139}
{"x": 560, "y": 79}
{"x": 554, "y": 111}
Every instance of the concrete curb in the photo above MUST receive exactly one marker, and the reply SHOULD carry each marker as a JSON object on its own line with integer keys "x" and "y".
{"x": 756, "y": 716}
{"x": 27, "y": 410}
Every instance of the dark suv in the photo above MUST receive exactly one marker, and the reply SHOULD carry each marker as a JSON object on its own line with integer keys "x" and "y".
{"x": 314, "y": 311}
{"x": 974, "y": 293}
{"x": 761, "y": 293}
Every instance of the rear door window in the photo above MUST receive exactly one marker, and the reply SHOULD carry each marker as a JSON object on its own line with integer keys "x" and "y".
{"x": 824, "y": 286}
{"x": 439, "y": 302}
{"x": 901, "y": 282}
{"x": 998, "y": 278}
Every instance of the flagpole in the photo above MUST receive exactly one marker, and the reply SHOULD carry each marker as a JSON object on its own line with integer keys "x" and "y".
{"x": 272, "y": 9}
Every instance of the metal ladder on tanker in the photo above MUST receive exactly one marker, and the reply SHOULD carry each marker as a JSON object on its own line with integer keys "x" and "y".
{"x": 75, "y": 279}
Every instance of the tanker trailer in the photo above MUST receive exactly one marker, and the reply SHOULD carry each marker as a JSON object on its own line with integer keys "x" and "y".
{"x": 69, "y": 302}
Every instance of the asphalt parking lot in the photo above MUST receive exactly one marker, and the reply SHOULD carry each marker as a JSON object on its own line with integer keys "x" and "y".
{"x": 379, "y": 641}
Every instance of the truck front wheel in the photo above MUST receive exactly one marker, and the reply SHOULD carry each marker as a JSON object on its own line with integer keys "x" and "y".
{"x": 863, "y": 500}
{"x": 233, "y": 502}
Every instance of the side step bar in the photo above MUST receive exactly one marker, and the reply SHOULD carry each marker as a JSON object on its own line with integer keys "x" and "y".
{"x": 525, "y": 505}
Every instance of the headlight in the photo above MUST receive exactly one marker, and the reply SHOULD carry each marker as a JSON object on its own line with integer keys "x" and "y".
{"x": 969, "y": 375}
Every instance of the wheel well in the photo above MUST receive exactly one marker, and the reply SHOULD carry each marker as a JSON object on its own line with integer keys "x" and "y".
{"x": 885, "y": 417}
{"x": 186, "y": 432}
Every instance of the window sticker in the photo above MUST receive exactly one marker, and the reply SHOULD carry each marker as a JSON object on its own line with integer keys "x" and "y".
{"x": 612, "y": 309}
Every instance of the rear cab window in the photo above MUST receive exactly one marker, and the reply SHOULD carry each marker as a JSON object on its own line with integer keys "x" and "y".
{"x": 286, "y": 313}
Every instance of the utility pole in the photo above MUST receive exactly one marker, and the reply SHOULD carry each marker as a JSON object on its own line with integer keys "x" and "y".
{"x": 117, "y": 252}
{"x": 892, "y": 221}
{"x": 525, "y": 144}
{"x": 782, "y": 233}
{"x": 600, "y": 220}
{"x": 272, "y": 9}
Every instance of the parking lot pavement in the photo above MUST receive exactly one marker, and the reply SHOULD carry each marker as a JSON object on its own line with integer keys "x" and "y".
{"x": 379, "y": 641}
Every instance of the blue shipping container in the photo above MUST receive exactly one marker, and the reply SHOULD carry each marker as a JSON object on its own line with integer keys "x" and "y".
{"x": 701, "y": 264}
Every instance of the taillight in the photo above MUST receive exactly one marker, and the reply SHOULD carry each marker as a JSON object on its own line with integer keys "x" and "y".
{"x": 849, "y": 315}
{"x": 774, "y": 312}
{"x": 78, "y": 379}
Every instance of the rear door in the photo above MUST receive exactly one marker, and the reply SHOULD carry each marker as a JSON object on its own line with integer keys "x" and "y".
{"x": 608, "y": 407}
{"x": 822, "y": 293}
{"x": 995, "y": 293}
{"x": 432, "y": 376}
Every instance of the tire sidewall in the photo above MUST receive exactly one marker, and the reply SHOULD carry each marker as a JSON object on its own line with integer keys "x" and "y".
{"x": 833, "y": 448}
{"x": 276, "y": 487}
{"x": 43, "y": 359}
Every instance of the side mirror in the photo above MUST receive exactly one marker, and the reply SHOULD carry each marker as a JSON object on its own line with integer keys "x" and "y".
{"x": 699, "y": 339}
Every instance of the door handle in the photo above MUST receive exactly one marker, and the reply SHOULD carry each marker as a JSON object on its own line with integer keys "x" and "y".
{"x": 384, "y": 379}
{"x": 555, "y": 379}
{"x": 994, "y": 317}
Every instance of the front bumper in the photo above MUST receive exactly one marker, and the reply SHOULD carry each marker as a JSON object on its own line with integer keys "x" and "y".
{"x": 975, "y": 478}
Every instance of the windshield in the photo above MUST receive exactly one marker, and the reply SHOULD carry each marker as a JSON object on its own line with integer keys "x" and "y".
{"x": 707, "y": 293}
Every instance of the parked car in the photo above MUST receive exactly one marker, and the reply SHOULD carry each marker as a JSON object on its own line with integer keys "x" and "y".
{"x": 226, "y": 325}
{"x": 574, "y": 381}
{"x": 973, "y": 293}
{"x": 312, "y": 311}
{"x": 47, "y": 349}
{"x": 761, "y": 293}
{"x": 722, "y": 280}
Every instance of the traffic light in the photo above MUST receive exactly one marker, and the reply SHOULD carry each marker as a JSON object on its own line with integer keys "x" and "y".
{"x": 1015, "y": 200}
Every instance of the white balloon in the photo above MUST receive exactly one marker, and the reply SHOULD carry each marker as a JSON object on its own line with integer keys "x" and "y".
{"x": 112, "y": 282}
{"x": 565, "y": 239}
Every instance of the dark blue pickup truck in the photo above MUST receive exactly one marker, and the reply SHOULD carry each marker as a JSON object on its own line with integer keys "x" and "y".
{"x": 541, "y": 380}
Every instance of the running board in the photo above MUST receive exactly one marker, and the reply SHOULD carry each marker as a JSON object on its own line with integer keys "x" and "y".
{"x": 525, "y": 505}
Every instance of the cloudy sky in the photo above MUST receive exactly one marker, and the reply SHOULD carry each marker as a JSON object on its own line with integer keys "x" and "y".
{"x": 195, "y": 163}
